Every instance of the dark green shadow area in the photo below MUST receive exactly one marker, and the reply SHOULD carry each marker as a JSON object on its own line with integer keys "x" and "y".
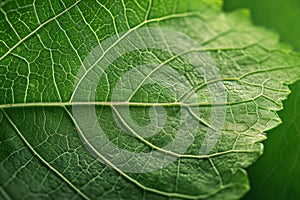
{"x": 276, "y": 175}
{"x": 282, "y": 16}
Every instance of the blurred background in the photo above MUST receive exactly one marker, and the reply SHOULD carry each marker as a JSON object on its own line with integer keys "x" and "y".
{"x": 276, "y": 175}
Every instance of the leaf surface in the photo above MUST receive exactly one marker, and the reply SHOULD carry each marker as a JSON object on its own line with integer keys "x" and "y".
{"x": 44, "y": 45}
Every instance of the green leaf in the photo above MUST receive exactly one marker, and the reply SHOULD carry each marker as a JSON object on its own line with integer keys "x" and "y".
{"x": 78, "y": 78}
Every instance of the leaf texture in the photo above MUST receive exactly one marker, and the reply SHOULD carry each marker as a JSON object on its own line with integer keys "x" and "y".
{"x": 45, "y": 44}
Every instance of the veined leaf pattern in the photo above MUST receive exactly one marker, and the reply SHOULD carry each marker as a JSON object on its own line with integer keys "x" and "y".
{"x": 43, "y": 44}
